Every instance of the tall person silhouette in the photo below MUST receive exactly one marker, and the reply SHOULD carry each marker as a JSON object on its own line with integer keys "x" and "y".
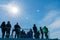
{"x": 17, "y": 30}
{"x": 3, "y": 29}
{"x": 35, "y": 30}
{"x": 8, "y": 27}
{"x": 41, "y": 31}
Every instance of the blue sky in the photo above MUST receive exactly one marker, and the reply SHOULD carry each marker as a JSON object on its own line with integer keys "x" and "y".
{"x": 39, "y": 12}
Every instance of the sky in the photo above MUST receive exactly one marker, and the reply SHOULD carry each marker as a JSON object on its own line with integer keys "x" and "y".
{"x": 39, "y": 12}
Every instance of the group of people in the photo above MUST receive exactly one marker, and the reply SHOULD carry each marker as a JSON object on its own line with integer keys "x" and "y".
{"x": 5, "y": 28}
{"x": 43, "y": 32}
{"x": 32, "y": 33}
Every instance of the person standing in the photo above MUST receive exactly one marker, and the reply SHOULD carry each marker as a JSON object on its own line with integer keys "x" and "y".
{"x": 17, "y": 30}
{"x": 45, "y": 30}
{"x": 35, "y": 30}
{"x": 3, "y": 29}
{"x": 41, "y": 32}
{"x": 37, "y": 34}
{"x": 8, "y": 27}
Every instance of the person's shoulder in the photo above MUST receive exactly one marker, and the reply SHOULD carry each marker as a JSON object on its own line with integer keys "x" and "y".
{"x": 14, "y": 25}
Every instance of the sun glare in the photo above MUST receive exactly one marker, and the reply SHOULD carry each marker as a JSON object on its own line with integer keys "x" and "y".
{"x": 12, "y": 9}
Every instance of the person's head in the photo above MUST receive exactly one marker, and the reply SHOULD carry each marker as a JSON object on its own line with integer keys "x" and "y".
{"x": 3, "y": 22}
{"x": 17, "y": 23}
{"x": 45, "y": 26}
{"x": 30, "y": 29}
{"x": 35, "y": 25}
{"x": 8, "y": 22}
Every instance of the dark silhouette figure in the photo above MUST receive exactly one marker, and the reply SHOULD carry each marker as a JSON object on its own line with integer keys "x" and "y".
{"x": 45, "y": 30}
{"x": 34, "y": 28}
{"x": 30, "y": 34}
{"x": 23, "y": 34}
{"x": 17, "y": 30}
{"x": 41, "y": 32}
{"x": 8, "y": 28}
{"x": 3, "y": 29}
{"x": 35, "y": 31}
{"x": 37, "y": 34}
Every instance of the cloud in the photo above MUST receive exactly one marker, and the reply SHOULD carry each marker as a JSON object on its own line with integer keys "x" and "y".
{"x": 52, "y": 21}
{"x": 55, "y": 24}
{"x": 54, "y": 29}
{"x": 49, "y": 17}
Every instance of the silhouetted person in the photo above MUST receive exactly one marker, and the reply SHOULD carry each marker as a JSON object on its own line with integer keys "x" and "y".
{"x": 37, "y": 34}
{"x": 45, "y": 30}
{"x": 8, "y": 27}
{"x": 23, "y": 34}
{"x": 41, "y": 32}
{"x": 34, "y": 28}
{"x": 30, "y": 34}
{"x": 17, "y": 30}
{"x": 3, "y": 29}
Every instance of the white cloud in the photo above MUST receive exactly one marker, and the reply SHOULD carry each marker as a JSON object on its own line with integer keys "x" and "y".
{"x": 55, "y": 24}
{"x": 49, "y": 17}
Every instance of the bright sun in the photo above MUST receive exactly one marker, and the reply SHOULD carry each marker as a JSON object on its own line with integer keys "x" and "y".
{"x": 12, "y": 9}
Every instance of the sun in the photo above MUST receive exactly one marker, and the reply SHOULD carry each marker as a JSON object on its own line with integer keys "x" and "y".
{"x": 12, "y": 9}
